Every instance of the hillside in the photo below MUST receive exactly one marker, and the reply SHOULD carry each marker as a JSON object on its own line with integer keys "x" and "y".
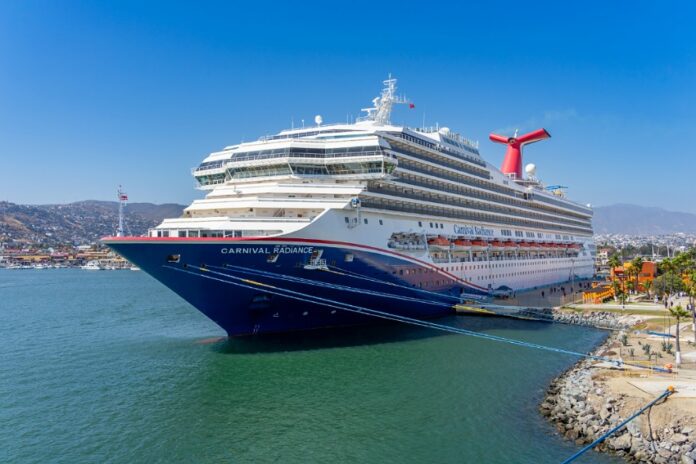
{"x": 78, "y": 223}
{"x": 87, "y": 221}
{"x": 641, "y": 220}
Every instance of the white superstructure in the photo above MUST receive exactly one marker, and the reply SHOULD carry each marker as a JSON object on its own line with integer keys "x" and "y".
{"x": 423, "y": 193}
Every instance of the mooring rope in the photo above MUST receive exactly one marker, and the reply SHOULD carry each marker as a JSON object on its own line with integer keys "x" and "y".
{"x": 599, "y": 440}
{"x": 355, "y": 275}
{"x": 273, "y": 275}
{"x": 313, "y": 299}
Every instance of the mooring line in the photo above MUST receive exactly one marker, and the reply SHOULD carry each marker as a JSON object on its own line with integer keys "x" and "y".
{"x": 334, "y": 286}
{"x": 356, "y": 275}
{"x": 299, "y": 296}
{"x": 665, "y": 395}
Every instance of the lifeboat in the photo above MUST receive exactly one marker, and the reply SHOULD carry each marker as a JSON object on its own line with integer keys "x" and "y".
{"x": 439, "y": 243}
{"x": 574, "y": 247}
{"x": 510, "y": 245}
{"x": 479, "y": 245}
{"x": 461, "y": 245}
{"x": 496, "y": 245}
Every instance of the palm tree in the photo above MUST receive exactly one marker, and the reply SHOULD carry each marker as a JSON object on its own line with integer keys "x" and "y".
{"x": 637, "y": 268}
{"x": 679, "y": 313}
{"x": 667, "y": 267}
{"x": 613, "y": 263}
{"x": 647, "y": 285}
{"x": 691, "y": 289}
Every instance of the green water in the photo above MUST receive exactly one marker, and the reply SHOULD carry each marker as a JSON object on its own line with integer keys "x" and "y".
{"x": 110, "y": 367}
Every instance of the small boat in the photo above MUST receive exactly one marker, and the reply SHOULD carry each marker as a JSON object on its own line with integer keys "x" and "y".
{"x": 479, "y": 245}
{"x": 92, "y": 266}
{"x": 509, "y": 245}
{"x": 461, "y": 245}
{"x": 496, "y": 245}
{"x": 439, "y": 243}
{"x": 134, "y": 268}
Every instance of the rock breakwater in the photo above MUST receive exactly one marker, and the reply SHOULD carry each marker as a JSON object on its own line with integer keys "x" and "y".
{"x": 582, "y": 408}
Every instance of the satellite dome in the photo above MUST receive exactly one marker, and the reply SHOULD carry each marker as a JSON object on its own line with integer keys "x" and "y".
{"x": 444, "y": 130}
{"x": 530, "y": 169}
{"x": 318, "y": 119}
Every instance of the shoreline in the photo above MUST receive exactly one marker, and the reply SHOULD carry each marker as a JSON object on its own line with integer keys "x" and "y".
{"x": 589, "y": 398}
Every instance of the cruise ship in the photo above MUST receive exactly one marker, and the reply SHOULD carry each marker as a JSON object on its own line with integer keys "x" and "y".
{"x": 313, "y": 226}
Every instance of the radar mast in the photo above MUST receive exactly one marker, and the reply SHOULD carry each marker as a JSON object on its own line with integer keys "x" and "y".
{"x": 382, "y": 105}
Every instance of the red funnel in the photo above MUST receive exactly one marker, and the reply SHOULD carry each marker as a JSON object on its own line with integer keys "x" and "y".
{"x": 512, "y": 164}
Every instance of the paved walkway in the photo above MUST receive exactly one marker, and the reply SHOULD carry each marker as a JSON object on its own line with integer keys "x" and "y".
{"x": 552, "y": 295}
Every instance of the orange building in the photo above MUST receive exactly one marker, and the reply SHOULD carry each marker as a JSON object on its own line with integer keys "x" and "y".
{"x": 648, "y": 272}
{"x": 597, "y": 294}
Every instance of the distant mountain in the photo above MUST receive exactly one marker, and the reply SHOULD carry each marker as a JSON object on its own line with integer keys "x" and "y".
{"x": 641, "y": 220}
{"x": 78, "y": 223}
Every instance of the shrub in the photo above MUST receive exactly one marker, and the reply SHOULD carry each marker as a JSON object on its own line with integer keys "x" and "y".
{"x": 646, "y": 349}
{"x": 667, "y": 346}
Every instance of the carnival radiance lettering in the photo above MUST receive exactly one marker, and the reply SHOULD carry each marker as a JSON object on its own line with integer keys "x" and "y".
{"x": 267, "y": 250}
{"x": 473, "y": 230}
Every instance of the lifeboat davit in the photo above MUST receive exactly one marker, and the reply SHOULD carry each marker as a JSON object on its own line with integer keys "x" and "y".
{"x": 439, "y": 243}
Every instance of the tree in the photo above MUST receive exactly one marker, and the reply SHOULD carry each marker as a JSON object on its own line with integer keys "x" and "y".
{"x": 613, "y": 263}
{"x": 679, "y": 313}
{"x": 691, "y": 290}
{"x": 647, "y": 285}
{"x": 668, "y": 269}
{"x": 636, "y": 268}
{"x": 666, "y": 284}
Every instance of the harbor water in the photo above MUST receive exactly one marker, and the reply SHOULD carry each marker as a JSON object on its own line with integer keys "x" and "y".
{"x": 111, "y": 367}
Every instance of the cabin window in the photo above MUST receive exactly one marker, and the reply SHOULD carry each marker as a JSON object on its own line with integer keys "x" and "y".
{"x": 381, "y": 223}
{"x": 347, "y": 220}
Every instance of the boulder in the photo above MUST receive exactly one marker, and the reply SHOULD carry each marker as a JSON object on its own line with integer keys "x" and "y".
{"x": 622, "y": 442}
{"x": 679, "y": 438}
{"x": 634, "y": 426}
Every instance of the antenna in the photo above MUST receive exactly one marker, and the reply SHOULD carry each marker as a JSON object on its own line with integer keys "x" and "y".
{"x": 122, "y": 199}
{"x": 382, "y": 105}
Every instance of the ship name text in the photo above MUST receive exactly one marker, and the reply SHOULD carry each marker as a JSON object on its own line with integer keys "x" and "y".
{"x": 473, "y": 230}
{"x": 266, "y": 250}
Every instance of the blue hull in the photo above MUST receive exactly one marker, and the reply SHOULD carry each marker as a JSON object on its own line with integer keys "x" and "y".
{"x": 265, "y": 286}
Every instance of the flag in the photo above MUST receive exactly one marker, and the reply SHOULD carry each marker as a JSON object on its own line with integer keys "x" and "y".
{"x": 411, "y": 106}
{"x": 123, "y": 197}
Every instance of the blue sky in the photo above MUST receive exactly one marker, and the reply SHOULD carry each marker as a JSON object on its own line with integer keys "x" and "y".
{"x": 96, "y": 94}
